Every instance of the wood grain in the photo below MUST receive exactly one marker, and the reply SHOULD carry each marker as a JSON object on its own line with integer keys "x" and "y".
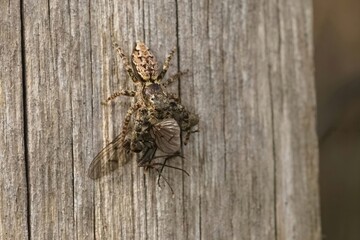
{"x": 253, "y": 165}
{"x": 13, "y": 187}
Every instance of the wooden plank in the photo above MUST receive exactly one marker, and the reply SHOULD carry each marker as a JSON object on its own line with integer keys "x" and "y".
{"x": 232, "y": 193}
{"x": 13, "y": 187}
{"x": 114, "y": 195}
{"x": 291, "y": 74}
{"x": 163, "y": 210}
{"x": 253, "y": 165}
{"x": 128, "y": 198}
{"x": 55, "y": 67}
{"x": 82, "y": 94}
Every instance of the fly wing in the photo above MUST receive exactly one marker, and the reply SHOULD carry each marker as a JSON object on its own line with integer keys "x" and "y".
{"x": 167, "y": 135}
{"x": 108, "y": 159}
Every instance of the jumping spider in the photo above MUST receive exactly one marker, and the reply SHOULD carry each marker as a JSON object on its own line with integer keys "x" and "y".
{"x": 158, "y": 121}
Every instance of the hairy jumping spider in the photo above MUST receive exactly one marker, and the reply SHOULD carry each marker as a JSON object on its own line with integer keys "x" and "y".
{"x": 158, "y": 116}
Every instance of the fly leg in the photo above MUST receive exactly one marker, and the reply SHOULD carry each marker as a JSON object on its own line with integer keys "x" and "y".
{"x": 163, "y": 165}
{"x": 187, "y": 136}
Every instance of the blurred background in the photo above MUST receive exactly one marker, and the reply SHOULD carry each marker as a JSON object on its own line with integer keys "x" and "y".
{"x": 337, "y": 64}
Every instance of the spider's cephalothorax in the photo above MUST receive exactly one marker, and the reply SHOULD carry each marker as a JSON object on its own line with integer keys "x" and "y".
{"x": 157, "y": 116}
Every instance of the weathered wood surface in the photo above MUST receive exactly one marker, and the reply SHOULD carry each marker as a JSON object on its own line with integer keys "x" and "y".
{"x": 13, "y": 186}
{"x": 253, "y": 165}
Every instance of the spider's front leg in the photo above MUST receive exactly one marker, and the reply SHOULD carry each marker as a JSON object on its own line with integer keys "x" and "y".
{"x": 125, "y": 60}
{"x": 166, "y": 64}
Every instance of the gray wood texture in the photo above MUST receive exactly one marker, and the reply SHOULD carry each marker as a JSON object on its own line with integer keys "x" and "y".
{"x": 253, "y": 165}
{"x": 13, "y": 183}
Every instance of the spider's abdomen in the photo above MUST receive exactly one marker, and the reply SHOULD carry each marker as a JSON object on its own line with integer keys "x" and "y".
{"x": 144, "y": 62}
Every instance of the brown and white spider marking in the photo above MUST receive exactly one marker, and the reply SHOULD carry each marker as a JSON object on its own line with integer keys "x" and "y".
{"x": 159, "y": 116}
